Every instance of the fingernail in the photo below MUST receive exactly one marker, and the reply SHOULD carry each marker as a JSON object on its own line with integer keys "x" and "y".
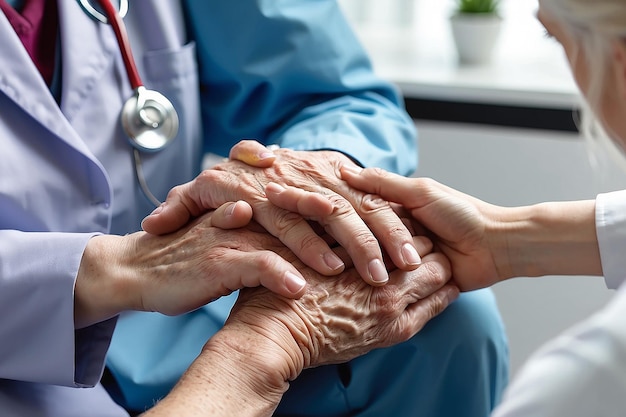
{"x": 266, "y": 155}
{"x": 294, "y": 282}
{"x": 230, "y": 209}
{"x": 274, "y": 188}
{"x": 352, "y": 169}
{"x": 410, "y": 255}
{"x": 377, "y": 271}
{"x": 157, "y": 210}
{"x": 333, "y": 261}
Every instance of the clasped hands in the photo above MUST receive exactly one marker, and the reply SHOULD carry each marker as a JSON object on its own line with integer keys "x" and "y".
{"x": 210, "y": 238}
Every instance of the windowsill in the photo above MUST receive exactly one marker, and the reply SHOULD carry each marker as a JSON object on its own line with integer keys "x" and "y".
{"x": 417, "y": 53}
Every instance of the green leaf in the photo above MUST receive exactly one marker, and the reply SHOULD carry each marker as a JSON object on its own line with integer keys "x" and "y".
{"x": 477, "y": 6}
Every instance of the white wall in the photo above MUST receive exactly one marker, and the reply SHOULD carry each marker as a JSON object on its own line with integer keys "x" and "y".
{"x": 518, "y": 167}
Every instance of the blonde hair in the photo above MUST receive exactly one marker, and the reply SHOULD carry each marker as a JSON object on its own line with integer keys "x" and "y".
{"x": 595, "y": 25}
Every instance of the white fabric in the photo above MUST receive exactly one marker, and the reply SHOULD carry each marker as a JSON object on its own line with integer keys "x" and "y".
{"x": 611, "y": 230}
{"x": 582, "y": 373}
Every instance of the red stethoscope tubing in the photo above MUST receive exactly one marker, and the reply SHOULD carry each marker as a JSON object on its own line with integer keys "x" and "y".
{"x": 122, "y": 39}
{"x": 148, "y": 117}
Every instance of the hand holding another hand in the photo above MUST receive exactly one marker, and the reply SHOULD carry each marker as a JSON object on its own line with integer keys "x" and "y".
{"x": 268, "y": 340}
{"x": 358, "y": 226}
{"x": 487, "y": 243}
{"x": 174, "y": 273}
{"x": 460, "y": 226}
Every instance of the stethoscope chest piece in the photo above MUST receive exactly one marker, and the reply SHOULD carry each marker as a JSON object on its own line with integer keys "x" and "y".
{"x": 149, "y": 119}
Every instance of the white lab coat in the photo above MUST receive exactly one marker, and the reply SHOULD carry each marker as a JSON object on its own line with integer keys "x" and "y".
{"x": 582, "y": 373}
{"x": 56, "y": 175}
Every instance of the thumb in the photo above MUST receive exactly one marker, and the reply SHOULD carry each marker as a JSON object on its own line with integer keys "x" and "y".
{"x": 232, "y": 215}
{"x": 174, "y": 212}
{"x": 192, "y": 199}
{"x": 252, "y": 153}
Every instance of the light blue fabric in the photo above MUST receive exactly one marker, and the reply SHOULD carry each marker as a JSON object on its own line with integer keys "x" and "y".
{"x": 292, "y": 72}
{"x": 457, "y": 366}
{"x": 149, "y": 351}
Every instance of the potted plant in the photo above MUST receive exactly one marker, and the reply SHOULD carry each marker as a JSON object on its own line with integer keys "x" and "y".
{"x": 475, "y": 28}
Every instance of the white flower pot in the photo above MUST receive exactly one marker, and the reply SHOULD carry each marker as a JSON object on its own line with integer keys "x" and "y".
{"x": 475, "y": 36}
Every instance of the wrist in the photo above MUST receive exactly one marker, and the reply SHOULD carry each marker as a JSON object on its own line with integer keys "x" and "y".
{"x": 102, "y": 289}
{"x": 556, "y": 238}
{"x": 238, "y": 372}
{"x": 265, "y": 353}
{"x": 249, "y": 365}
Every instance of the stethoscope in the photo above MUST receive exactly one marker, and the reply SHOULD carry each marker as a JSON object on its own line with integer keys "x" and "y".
{"x": 148, "y": 117}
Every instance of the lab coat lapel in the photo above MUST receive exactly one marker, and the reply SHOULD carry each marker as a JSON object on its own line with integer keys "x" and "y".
{"x": 21, "y": 82}
{"x": 89, "y": 48}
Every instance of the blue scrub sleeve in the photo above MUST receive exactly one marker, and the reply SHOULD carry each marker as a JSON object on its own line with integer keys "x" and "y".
{"x": 293, "y": 72}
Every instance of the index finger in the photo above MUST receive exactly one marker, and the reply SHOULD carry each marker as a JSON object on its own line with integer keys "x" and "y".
{"x": 350, "y": 231}
{"x": 390, "y": 186}
{"x": 360, "y": 222}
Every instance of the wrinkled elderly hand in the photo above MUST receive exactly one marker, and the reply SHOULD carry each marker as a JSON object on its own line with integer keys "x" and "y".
{"x": 344, "y": 212}
{"x": 268, "y": 340}
{"x": 181, "y": 271}
{"x": 245, "y": 368}
{"x": 341, "y": 318}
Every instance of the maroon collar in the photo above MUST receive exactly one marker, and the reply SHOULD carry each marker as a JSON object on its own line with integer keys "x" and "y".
{"x": 37, "y": 27}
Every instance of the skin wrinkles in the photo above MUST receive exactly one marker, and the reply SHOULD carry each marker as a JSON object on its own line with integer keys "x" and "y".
{"x": 305, "y": 172}
{"x": 331, "y": 203}
{"x": 371, "y": 204}
{"x": 211, "y": 258}
{"x": 245, "y": 180}
{"x": 354, "y": 308}
{"x": 271, "y": 338}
